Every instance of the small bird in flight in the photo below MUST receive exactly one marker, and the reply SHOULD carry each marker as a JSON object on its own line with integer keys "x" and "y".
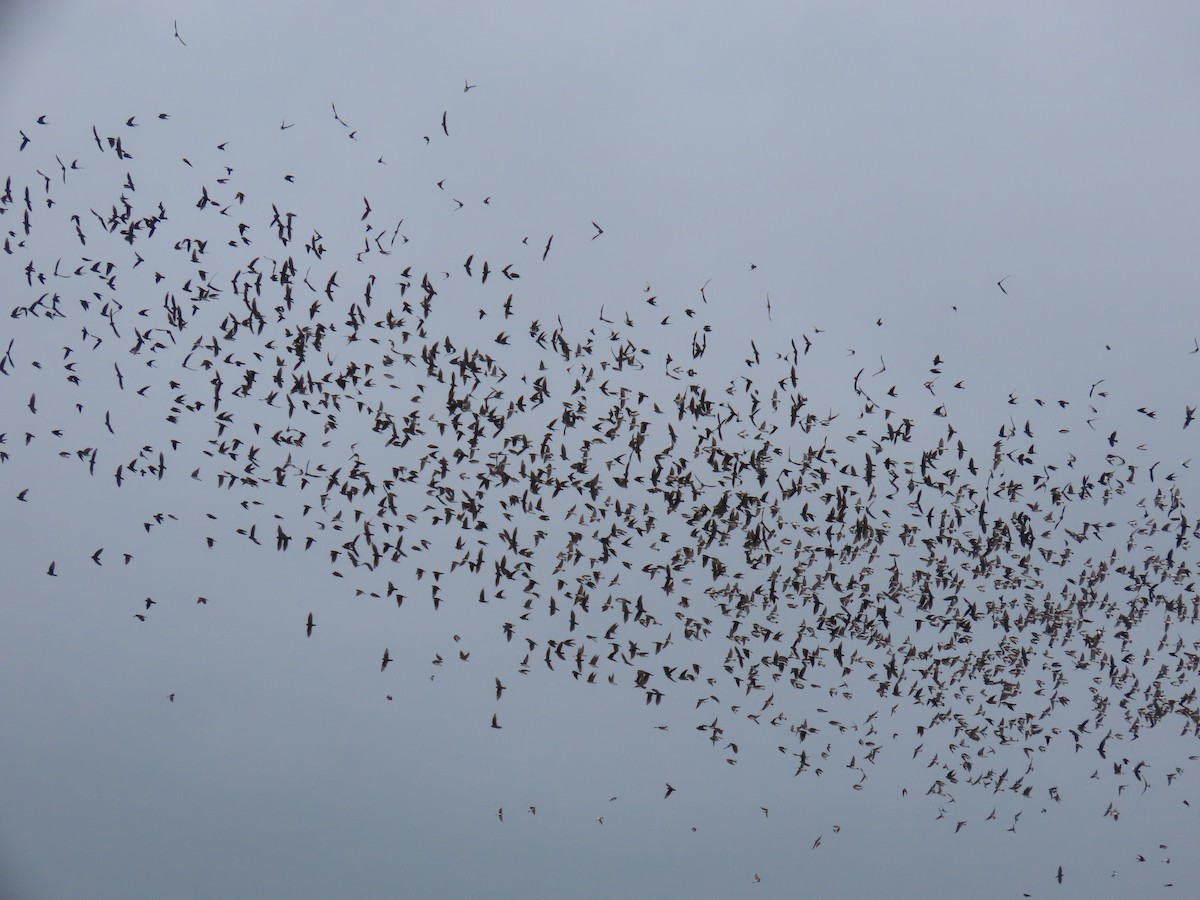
{"x": 177, "y": 37}
{"x": 1000, "y": 283}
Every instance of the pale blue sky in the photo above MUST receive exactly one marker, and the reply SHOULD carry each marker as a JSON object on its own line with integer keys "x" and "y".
{"x": 858, "y": 164}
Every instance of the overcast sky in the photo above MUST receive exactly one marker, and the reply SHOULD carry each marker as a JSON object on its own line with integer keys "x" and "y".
{"x": 855, "y": 179}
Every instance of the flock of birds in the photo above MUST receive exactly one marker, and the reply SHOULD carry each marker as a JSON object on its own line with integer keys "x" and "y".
{"x": 832, "y": 586}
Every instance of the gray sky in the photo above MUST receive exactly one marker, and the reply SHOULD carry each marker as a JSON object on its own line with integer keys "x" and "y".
{"x": 874, "y": 170}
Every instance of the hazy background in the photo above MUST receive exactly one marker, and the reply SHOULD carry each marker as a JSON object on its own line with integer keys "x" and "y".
{"x": 871, "y": 162}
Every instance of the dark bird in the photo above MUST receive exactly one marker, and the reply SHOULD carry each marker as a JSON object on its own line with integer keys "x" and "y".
{"x": 386, "y": 659}
{"x": 50, "y": 571}
{"x": 1000, "y": 283}
{"x": 495, "y": 724}
{"x": 444, "y": 128}
{"x": 670, "y": 791}
{"x": 546, "y": 252}
{"x": 311, "y": 625}
{"x": 599, "y": 231}
{"x": 466, "y": 86}
{"x": 177, "y": 37}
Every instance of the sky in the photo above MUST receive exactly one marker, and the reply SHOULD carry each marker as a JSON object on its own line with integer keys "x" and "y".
{"x": 956, "y": 215}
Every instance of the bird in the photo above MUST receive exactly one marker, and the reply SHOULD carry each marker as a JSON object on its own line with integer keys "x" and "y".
{"x": 670, "y": 791}
{"x": 177, "y": 37}
{"x": 309, "y": 629}
{"x": 495, "y": 724}
{"x": 386, "y": 659}
{"x": 1000, "y": 284}
{"x": 467, "y": 87}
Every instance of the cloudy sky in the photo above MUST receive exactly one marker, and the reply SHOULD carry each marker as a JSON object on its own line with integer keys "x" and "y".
{"x": 854, "y": 177}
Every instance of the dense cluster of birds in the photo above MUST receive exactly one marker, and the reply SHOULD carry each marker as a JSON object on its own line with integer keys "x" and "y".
{"x": 607, "y": 506}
